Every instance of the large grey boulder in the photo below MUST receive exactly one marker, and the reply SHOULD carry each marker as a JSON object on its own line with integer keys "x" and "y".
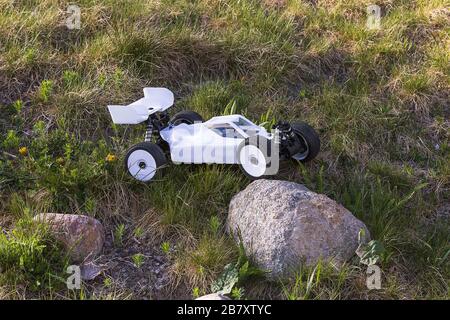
{"x": 284, "y": 224}
{"x": 82, "y": 236}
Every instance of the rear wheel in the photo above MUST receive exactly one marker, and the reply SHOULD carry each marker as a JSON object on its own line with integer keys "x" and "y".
{"x": 143, "y": 160}
{"x": 188, "y": 117}
{"x": 253, "y": 159}
{"x": 309, "y": 138}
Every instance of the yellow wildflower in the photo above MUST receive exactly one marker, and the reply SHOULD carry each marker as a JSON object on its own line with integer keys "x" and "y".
{"x": 23, "y": 151}
{"x": 111, "y": 158}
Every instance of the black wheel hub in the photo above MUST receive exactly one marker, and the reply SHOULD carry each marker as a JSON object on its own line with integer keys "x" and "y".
{"x": 142, "y": 165}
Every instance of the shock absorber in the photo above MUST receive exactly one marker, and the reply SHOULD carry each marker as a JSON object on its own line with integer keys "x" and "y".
{"x": 148, "y": 131}
{"x": 286, "y": 129}
{"x": 290, "y": 143}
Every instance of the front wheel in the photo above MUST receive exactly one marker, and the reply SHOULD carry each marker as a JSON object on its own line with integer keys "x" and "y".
{"x": 310, "y": 140}
{"x": 143, "y": 160}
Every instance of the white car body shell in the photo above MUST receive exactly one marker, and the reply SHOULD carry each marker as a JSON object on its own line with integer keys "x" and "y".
{"x": 214, "y": 141}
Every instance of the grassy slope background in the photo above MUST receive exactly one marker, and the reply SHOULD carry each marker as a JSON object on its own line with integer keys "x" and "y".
{"x": 379, "y": 99}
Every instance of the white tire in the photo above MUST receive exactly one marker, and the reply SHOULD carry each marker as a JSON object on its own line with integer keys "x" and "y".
{"x": 143, "y": 160}
{"x": 252, "y": 161}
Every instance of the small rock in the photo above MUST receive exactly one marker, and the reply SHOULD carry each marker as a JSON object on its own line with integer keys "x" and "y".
{"x": 213, "y": 296}
{"x": 82, "y": 236}
{"x": 283, "y": 224}
{"x": 90, "y": 271}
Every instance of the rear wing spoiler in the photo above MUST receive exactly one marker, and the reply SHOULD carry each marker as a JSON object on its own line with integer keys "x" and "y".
{"x": 154, "y": 100}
